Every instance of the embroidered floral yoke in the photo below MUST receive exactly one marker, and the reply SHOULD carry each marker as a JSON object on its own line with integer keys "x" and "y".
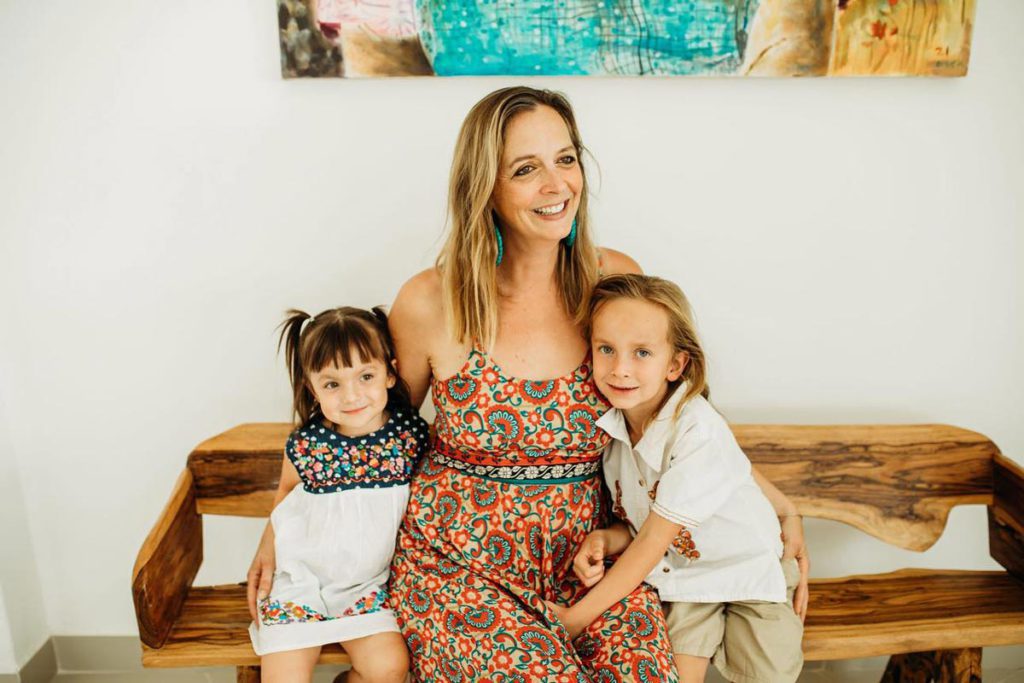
{"x": 495, "y": 516}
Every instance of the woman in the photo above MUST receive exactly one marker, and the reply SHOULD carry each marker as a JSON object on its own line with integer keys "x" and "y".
{"x": 497, "y": 511}
{"x": 512, "y": 488}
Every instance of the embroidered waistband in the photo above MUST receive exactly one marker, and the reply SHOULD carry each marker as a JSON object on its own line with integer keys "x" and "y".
{"x": 523, "y": 474}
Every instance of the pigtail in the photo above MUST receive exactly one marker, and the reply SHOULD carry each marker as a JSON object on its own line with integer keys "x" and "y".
{"x": 303, "y": 400}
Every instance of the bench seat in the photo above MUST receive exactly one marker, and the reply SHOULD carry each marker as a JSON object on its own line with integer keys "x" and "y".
{"x": 894, "y": 482}
{"x": 858, "y": 616}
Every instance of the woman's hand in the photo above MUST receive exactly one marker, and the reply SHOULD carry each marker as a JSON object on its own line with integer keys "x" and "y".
{"x": 793, "y": 545}
{"x": 589, "y": 562}
{"x": 260, "y": 577}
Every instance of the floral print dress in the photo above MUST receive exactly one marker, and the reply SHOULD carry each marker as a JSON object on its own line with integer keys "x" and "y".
{"x": 334, "y": 534}
{"x": 496, "y": 514}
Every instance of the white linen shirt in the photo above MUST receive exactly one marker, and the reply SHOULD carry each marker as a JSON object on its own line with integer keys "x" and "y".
{"x": 692, "y": 472}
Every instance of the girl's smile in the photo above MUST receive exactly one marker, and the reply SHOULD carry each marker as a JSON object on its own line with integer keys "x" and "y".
{"x": 353, "y": 398}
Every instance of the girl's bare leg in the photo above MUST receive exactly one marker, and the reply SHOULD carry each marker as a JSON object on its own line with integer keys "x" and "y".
{"x": 380, "y": 658}
{"x": 293, "y": 666}
{"x": 691, "y": 669}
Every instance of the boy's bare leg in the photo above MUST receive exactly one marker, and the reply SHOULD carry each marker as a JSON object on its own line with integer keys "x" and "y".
{"x": 691, "y": 669}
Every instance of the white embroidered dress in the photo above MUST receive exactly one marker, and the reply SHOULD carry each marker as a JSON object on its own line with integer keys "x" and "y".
{"x": 334, "y": 535}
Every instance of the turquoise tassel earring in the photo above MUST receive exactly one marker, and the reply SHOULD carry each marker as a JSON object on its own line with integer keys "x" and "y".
{"x": 570, "y": 239}
{"x": 501, "y": 247}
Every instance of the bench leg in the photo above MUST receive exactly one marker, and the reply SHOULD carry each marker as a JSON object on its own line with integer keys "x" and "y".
{"x": 247, "y": 674}
{"x": 940, "y": 666}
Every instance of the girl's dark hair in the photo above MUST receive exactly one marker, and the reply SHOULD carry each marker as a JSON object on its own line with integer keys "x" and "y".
{"x": 330, "y": 338}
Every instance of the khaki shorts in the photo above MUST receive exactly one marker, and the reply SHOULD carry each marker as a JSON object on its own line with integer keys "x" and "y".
{"x": 751, "y": 641}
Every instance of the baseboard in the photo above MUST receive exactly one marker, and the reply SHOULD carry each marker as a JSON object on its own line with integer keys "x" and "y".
{"x": 90, "y": 654}
{"x": 40, "y": 668}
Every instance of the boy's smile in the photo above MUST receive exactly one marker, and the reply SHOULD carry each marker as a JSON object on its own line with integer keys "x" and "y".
{"x": 633, "y": 360}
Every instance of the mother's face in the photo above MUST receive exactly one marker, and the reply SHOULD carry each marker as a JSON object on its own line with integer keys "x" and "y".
{"x": 537, "y": 192}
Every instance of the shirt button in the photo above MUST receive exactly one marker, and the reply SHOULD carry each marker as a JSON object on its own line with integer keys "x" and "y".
{"x": 666, "y": 570}
{"x": 642, "y": 483}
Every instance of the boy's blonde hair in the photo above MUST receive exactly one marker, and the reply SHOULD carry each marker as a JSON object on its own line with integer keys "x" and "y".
{"x": 467, "y": 261}
{"x": 682, "y": 330}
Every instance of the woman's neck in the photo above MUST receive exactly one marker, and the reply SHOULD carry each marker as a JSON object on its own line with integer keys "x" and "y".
{"x": 527, "y": 269}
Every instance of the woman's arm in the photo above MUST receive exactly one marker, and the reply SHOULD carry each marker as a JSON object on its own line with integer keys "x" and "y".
{"x": 624, "y": 576}
{"x": 793, "y": 544}
{"x": 413, "y": 322}
{"x": 261, "y": 572}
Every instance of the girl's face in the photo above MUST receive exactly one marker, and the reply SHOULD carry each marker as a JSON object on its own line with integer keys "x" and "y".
{"x": 539, "y": 180}
{"x": 353, "y": 398}
{"x": 633, "y": 360}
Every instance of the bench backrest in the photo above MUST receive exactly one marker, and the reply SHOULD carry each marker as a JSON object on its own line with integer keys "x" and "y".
{"x": 895, "y": 482}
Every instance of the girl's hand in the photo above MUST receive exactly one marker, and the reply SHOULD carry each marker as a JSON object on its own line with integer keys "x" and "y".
{"x": 793, "y": 545}
{"x": 589, "y": 562}
{"x": 260, "y": 577}
{"x": 565, "y": 615}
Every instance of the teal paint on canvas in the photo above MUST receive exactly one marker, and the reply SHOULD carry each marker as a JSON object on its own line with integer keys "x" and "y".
{"x": 584, "y": 37}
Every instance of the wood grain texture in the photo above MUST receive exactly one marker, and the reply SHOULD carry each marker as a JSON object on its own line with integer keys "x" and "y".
{"x": 858, "y": 616}
{"x": 943, "y": 666}
{"x": 1006, "y": 516}
{"x": 912, "y": 610}
{"x": 1006, "y": 543}
{"x": 236, "y": 472}
{"x": 1008, "y": 490}
{"x": 895, "y": 482}
{"x": 213, "y": 630}
{"x": 167, "y": 563}
{"x": 247, "y": 674}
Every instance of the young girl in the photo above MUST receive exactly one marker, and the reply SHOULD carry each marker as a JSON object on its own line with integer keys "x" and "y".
{"x": 344, "y": 487}
{"x": 695, "y": 524}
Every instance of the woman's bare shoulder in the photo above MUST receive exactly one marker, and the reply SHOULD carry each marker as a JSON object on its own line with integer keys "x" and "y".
{"x": 419, "y": 300}
{"x": 616, "y": 263}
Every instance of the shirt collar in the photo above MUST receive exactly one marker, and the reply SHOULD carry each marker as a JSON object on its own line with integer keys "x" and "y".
{"x": 652, "y": 444}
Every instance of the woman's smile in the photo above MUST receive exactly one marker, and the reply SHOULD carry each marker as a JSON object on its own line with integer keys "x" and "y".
{"x": 537, "y": 192}
{"x": 553, "y": 211}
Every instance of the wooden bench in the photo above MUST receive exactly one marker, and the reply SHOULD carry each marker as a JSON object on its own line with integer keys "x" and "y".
{"x": 896, "y": 483}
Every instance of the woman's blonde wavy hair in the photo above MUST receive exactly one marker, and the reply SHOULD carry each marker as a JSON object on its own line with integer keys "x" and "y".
{"x": 467, "y": 260}
{"x": 682, "y": 327}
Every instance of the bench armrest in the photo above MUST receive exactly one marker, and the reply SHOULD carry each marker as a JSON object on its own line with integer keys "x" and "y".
{"x": 1006, "y": 515}
{"x": 167, "y": 564}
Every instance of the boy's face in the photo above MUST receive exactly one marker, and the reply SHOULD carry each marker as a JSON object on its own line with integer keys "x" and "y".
{"x": 633, "y": 360}
{"x": 353, "y": 398}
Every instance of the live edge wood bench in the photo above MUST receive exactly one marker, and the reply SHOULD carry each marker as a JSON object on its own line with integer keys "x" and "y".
{"x": 896, "y": 483}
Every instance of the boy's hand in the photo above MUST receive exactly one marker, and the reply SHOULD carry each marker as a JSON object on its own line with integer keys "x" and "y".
{"x": 793, "y": 545}
{"x": 565, "y": 615}
{"x": 589, "y": 562}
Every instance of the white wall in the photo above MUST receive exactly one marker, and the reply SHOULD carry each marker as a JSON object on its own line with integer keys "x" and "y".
{"x": 23, "y": 618}
{"x": 851, "y": 247}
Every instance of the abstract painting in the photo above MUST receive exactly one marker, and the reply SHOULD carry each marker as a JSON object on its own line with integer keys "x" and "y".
{"x": 374, "y": 38}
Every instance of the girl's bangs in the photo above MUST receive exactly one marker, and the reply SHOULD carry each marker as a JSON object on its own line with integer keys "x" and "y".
{"x": 345, "y": 343}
